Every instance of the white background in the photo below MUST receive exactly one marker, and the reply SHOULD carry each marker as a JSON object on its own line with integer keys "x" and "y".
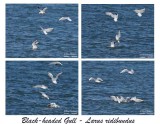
{"x": 139, "y": 119}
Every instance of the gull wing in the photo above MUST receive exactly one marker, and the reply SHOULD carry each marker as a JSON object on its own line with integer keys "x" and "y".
{"x": 55, "y": 63}
{"x": 44, "y": 95}
{"x": 124, "y": 70}
{"x": 58, "y": 75}
{"x": 91, "y": 78}
{"x": 109, "y": 14}
{"x": 50, "y": 75}
{"x": 62, "y": 18}
{"x": 119, "y": 34}
{"x": 114, "y": 98}
{"x": 69, "y": 19}
{"x": 44, "y": 9}
{"x": 100, "y": 79}
{"x": 139, "y": 10}
{"x": 48, "y": 29}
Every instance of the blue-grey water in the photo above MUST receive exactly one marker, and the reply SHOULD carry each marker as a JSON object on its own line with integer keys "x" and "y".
{"x": 98, "y": 30}
{"x": 23, "y": 23}
{"x": 96, "y": 96}
{"x": 23, "y": 99}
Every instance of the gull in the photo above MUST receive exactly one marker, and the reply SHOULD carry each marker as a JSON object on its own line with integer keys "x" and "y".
{"x": 114, "y": 16}
{"x": 53, "y": 105}
{"x": 42, "y": 11}
{"x": 97, "y": 80}
{"x": 65, "y": 18}
{"x": 139, "y": 11}
{"x": 34, "y": 45}
{"x": 54, "y": 80}
{"x": 128, "y": 71}
{"x": 44, "y": 95}
{"x": 46, "y": 31}
{"x": 41, "y": 86}
{"x": 118, "y": 36}
{"x": 55, "y": 63}
{"x": 135, "y": 99}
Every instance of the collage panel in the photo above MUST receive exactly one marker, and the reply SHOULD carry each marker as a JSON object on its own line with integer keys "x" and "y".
{"x": 117, "y": 88}
{"x": 118, "y": 30}
{"x": 41, "y": 30}
{"x": 41, "y": 88}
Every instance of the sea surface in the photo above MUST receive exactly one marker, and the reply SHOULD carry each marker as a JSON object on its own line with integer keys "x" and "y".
{"x": 96, "y": 96}
{"x": 23, "y": 23}
{"x": 23, "y": 99}
{"x": 98, "y": 30}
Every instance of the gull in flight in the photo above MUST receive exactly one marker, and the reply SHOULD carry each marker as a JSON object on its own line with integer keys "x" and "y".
{"x": 42, "y": 11}
{"x": 41, "y": 86}
{"x": 44, "y": 95}
{"x": 118, "y": 36}
{"x": 139, "y": 11}
{"x": 97, "y": 80}
{"x": 53, "y": 105}
{"x": 65, "y": 18}
{"x": 114, "y": 16}
{"x": 128, "y": 71}
{"x": 55, "y": 63}
{"x": 46, "y": 31}
{"x": 54, "y": 79}
{"x": 135, "y": 99}
{"x": 34, "y": 45}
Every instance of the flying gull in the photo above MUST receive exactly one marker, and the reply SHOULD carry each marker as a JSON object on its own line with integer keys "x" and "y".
{"x": 46, "y": 31}
{"x": 97, "y": 80}
{"x": 139, "y": 11}
{"x": 65, "y": 18}
{"x": 34, "y": 45}
{"x": 128, "y": 71}
{"x": 54, "y": 79}
{"x": 42, "y": 11}
{"x": 114, "y": 16}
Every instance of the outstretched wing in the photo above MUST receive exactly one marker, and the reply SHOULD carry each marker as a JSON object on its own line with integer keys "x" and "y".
{"x": 58, "y": 75}
{"x": 142, "y": 10}
{"x": 124, "y": 70}
{"x": 50, "y": 75}
{"x": 69, "y": 19}
{"x": 139, "y": 10}
{"x": 48, "y": 29}
{"x": 44, "y": 9}
{"x": 91, "y": 78}
{"x": 100, "y": 79}
{"x": 109, "y": 14}
{"x": 119, "y": 34}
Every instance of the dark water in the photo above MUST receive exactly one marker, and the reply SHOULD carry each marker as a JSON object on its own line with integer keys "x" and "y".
{"x": 23, "y": 23}
{"x": 23, "y": 99}
{"x": 96, "y": 97}
{"x": 98, "y": 30}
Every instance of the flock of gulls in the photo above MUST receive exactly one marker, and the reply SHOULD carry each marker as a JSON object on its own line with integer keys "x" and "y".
{"x": 54, "y": 81}
{"x": 119, "y": 99}
{"x": 116, "y": 42}
{"x": 45, "y": 31}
